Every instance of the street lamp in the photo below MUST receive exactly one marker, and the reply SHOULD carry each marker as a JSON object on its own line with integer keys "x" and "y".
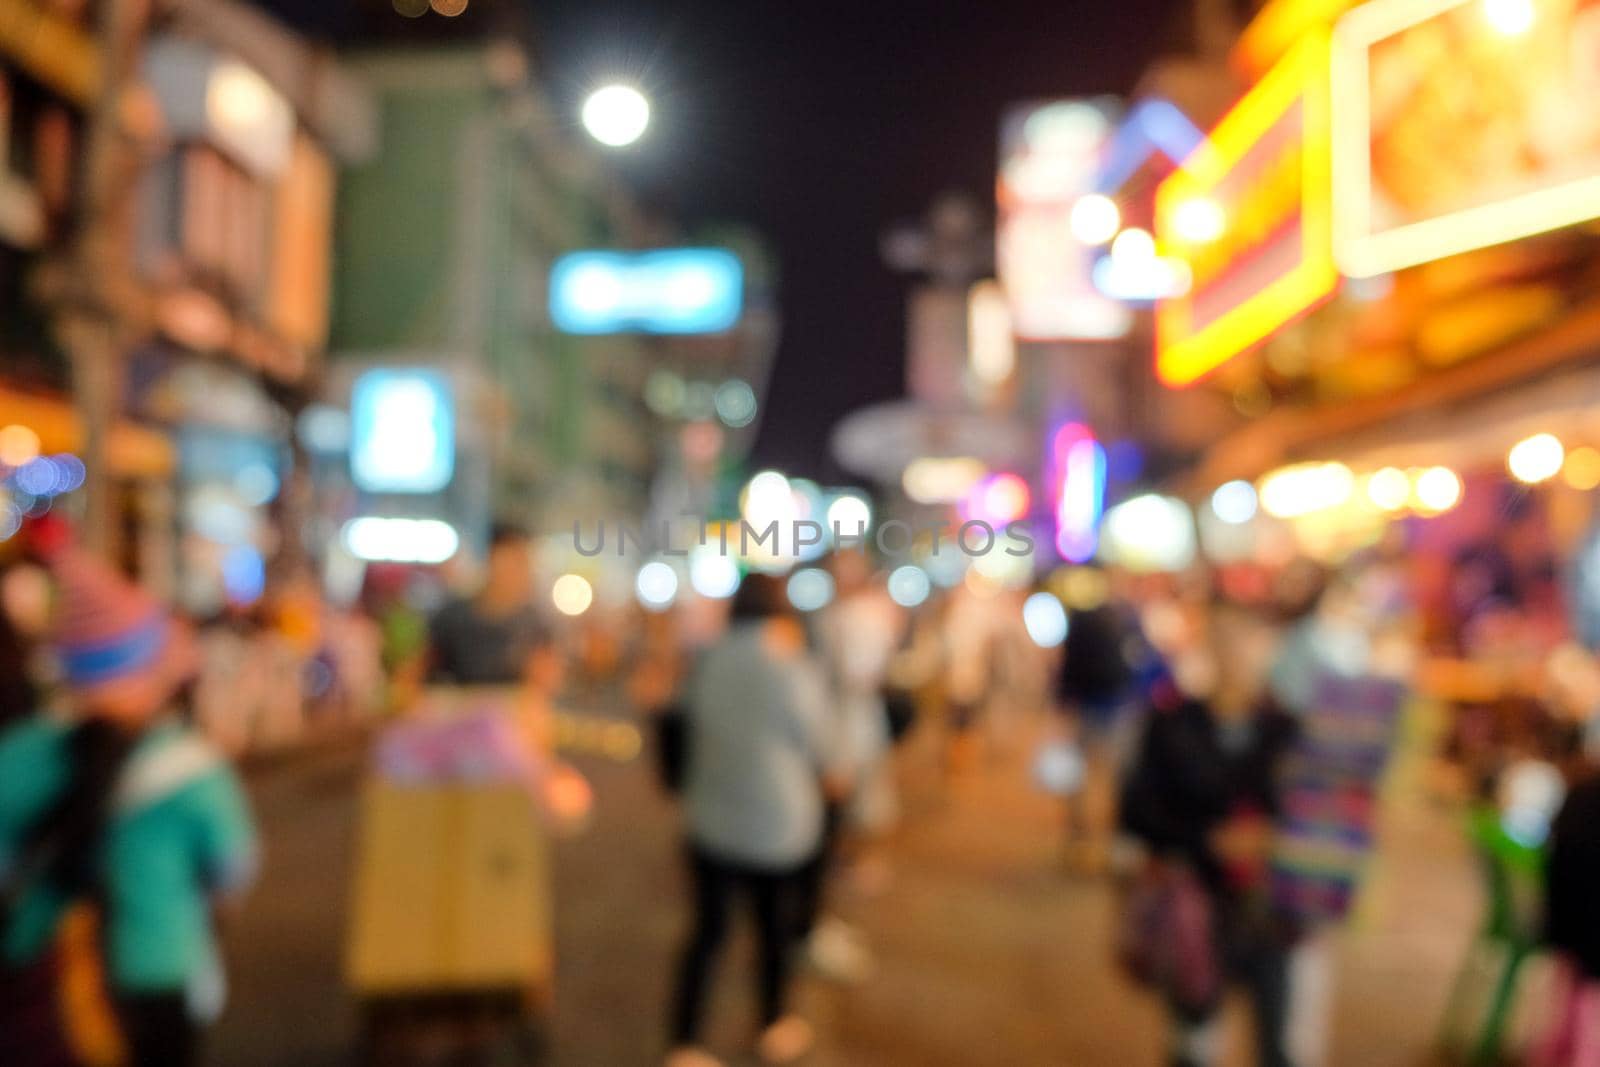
{"x": 616, "y": 115}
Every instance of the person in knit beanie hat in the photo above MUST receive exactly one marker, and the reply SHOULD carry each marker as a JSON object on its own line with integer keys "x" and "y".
{"x": 113, "y": 800}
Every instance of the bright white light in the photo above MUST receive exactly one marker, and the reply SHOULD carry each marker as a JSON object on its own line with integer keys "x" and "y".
{"x": 689, "y": 288}
{"x": 402, "y": 431}
{"x": 1045, "y": 619}
{"x": 909, "y": 585}
{"x": 851, "y": 514}
{"x": 1301, "y": 489}
{"x": 1510, "y": 17}
{"x": 1149, "y": 533}
{"x": 372, "y": 537}
{"x": 572, "y": 594}
{"x": 616, "y": 115}
{"x": 1134, "y": 245}
{"x": 656, "y": 585}
{"x": 1234, "y": 502}
{"x": 1095, "y": 219}
{"x": 249, "y": 115}
{"x": 1536, "y": 458}
{"x": 1134, "y": 272}
{"x": 1389, "y": 489}
{"x": 1200, "y": 220}
{"x": 1142, "y": 280}
{"x": 1438, "y": 489}
{"x": 810, "y": 589}
{"x": 711, "y": 573}
{"x": 768, "y": 499}
{"x": 595, "y": 289}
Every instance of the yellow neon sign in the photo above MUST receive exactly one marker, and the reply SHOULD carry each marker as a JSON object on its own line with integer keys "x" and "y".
{"x": 1362, "y": 245}
{"x": 1256, "y": 175}
{"x": 1276, "y": 28}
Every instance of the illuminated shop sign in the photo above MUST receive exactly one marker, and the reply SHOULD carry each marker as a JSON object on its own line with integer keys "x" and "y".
{"x": 1459, "y": 124}
{"x": 672, "y": 291}
{"x": 1278, "y": 26}
{"x": 1050, "y": 158}
{"x": 402, "y": 431}
{"x": 1261, "y": 189}
{"x": 1077, "y": 465}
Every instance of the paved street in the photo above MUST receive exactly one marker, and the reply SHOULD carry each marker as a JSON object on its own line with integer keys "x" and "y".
{"x": 989, "y": 953}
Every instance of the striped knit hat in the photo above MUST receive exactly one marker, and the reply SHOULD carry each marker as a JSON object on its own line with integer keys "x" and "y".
{"x": 110, "y": 632}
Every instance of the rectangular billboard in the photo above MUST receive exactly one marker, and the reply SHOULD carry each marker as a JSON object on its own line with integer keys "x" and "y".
{"x": 1460, "y": 124}
{"x": 1050, "y": 155}
{"x": 666, "y": 291}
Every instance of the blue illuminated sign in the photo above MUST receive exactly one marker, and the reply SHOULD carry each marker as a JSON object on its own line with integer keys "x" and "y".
{"x": 675, "y": 290}
{"x": 402, "y": 431}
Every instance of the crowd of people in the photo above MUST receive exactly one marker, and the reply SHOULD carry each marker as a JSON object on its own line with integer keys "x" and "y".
{"x": 1217, "y": 748}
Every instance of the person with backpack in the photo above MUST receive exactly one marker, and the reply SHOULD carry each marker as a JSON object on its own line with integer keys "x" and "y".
{"x": 112, "y": 804}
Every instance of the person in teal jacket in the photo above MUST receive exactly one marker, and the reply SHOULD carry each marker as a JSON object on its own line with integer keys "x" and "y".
{"x": 114, "y": 802}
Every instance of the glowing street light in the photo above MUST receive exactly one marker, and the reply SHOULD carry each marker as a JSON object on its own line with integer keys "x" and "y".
{"x": 616, "y": 115}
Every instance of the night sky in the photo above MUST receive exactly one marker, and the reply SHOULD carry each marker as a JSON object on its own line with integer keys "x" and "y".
{"x": 819, "y": 124}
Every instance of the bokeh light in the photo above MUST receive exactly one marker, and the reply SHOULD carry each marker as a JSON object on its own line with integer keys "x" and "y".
{"x": 656, "y": 585}
{"x": 18, "y": 445}
{"x": 711, "y": 574}
{"x": 1582, "y": 468}
{"x": 909, "y": 585}
{"x": 735, "y": 402}
{"x": 1536, "y": 459}
{"x": 572, "y": 594}
{"x": 1234, "y": 502}
{"x": 810, "y": 589}
{"x": 1389, "y": 489}
{"x": 1095, "y": 219}
{"x": 1438, "y": 489}
{"x": 1045, "y": 619}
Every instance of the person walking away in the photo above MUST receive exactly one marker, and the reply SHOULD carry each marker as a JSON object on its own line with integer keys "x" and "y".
{"x": 118, "y": 805}
{"x": 1202, "y": 796}
{"x": 1096, "y": 687}
{"x": 489, "y": 638}
{"x": 753, "y": 803}
{"x": 855, "y": 636}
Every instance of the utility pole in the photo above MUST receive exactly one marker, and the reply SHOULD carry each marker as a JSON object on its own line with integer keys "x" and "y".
{"x": 89, "y": 281}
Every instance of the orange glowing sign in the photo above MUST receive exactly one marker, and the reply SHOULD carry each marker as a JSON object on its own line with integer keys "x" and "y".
{"x": 1278, "y": 26}
{"x": 1265, "y": 182}
{"x": 1458, "y": 125}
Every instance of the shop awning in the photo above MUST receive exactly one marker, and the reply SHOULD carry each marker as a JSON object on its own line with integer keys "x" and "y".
{"x": 134, "y": 451}
{"x": 1424, "y": 410}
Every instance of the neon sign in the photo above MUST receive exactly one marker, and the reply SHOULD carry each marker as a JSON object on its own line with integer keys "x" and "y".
{"x": 1267, "y": 171}
{"x": 1078, "y": 462}
{"x": 672, "y": 291}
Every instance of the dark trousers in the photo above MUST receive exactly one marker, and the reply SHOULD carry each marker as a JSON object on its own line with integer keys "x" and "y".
{"x": 158, "y": 1030}
{"x": 1257, "y": 960}
{"x": 811, "y": 888}
{"x": 772, "y": 895}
